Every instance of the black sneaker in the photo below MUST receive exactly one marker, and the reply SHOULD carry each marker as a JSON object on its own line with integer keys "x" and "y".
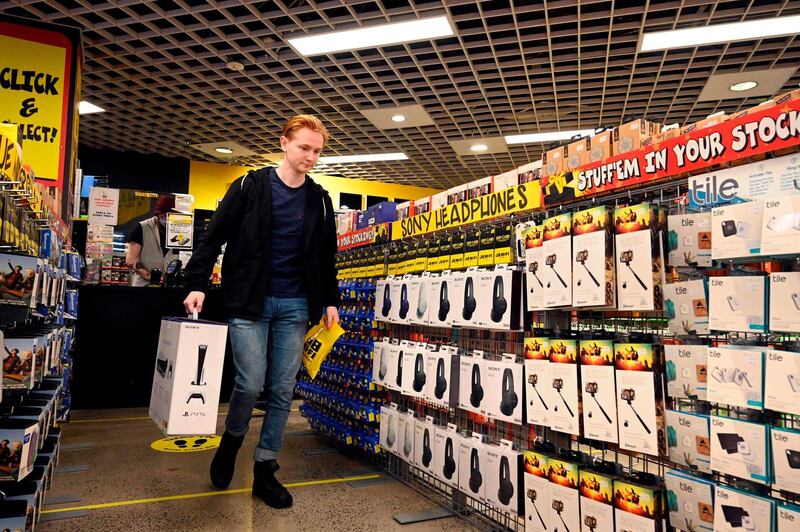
{"x": 224, "y": 462}
{"x": 267, "y": 487}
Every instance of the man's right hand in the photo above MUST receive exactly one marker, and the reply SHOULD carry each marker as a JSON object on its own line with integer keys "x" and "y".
{"x": 194, "y": 302}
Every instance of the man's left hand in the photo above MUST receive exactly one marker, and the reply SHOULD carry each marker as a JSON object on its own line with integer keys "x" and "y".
{"x": 331, "y": 316}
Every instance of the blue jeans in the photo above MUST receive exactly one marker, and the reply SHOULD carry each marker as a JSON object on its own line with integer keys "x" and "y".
{"x": 273, "y": 348}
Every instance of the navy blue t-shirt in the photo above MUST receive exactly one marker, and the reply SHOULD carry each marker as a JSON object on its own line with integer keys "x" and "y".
{"x": 286, "y": 239}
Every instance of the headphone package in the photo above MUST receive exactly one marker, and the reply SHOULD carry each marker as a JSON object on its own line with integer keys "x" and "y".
{"x": 689, "y": 440}
{"x": 638, "y": 257}
{"x": 686, "y": 371}
{"x": 380, "y": 367}
{"x": 486, "y": 250}
{"x": 383, "y": 299}
{"x": 736, "y": 230}
{"x": 457, "y": 244}
{"x": 788, "y": 518}
{"x": 565, "y": 498}
{"x": 534, "y": 266}
{"x": 786, "y": 459}
{"x": 637, "y": 507}
{"x": 446, "y": 454}
{"x": 414, "y": 368}
{"x": 565, "y": 411}
{"x": 404, "y": 446}
{"x": 504, "y": 389}
{"x": 499, "y": 299}
{"x": 439, "y": 294}
{"x": 388, "y": 428}
{"x": 686, "y": 306}
{"x": 637, "y": 399}
{"x": 782, "y": 381}
{"x": 737, "y": 303}
{"x": 557, "y": 267}
{"x": 392, "y": 356}
{"x": 472, "y": 473}
{"x": 593, "y": 278}
{"x": 472, "y": 246}
{"x": 738, "y": 511}
{"x": 599, "y": 411}
{"x": 784, "y": 301}
{"x": 424, "y": 437}
{"x": 781, "y": 226}
{"x": 689, "y": 240}
{"x": 537, "y": 487}
{"x": 417, "y": 313}
{"x": 690, "y": 502}
{"x": 596, "y": 500}
{"x": 735, "y": 376}
{"x": 398, "y": 293}
{"x": 504, "y": 477}
{"x": 442, "y": 375}
{"x": 740, "y": 448}
{"x": 472, "y": 382}
{"x": 538, "y": 378}
{"x": 463, "y": 303}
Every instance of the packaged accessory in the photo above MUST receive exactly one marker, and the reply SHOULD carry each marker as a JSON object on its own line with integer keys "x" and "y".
{"x": 735, "y": 511}
{"x": 690, "y": 501}
{"x": 740, "y": 448}
{"x": 782, "y": 381}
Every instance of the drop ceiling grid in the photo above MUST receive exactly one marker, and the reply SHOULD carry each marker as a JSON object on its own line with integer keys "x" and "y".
{"x": 513, "y": 67}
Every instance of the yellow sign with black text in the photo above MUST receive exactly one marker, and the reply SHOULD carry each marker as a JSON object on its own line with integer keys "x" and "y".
{"x": 186, "y": 444}
{"x": 521, "y": 198}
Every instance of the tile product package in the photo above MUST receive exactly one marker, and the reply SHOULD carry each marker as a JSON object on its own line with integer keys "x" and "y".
{"x": 538, "y": 501}
{"x": 557, "y": 267}
{"x": 472, "y": 470}
{"x": 415, "y": 370}
{"x": 687, "y": 371}
{"x": 735, "y": 376}
{"x": 593, "y": 274}
{"x": 689, "y": 440}
{"x": 784, "y": 302}
{"x": 788, "y": 518}
{"x": 417, "y": 313}
{"x": 686, "y": 306}
{"x": 504, "y": 390}
{"x": 393, "y": 357}
{"x": 538, "y": 390}
{"x": 406, "y": 426}
{"x": 564, "y": 494}
{"x": 737, "y": 303}
{"x": 596, "y": 500}
{"x": 23, "y": 442}
{"x": 565, "y": 414}
{"x": 424, "y": 437}
{"x": 599, "y": 411}
{"x": 499, "y": 299}
{"x": 690, "y": 502}
{"x": 439, "y": 296}
{"x": 388, "y": 428}
{"x": 637, "y": 401}
{"x": 504, "y": 477}
{"x": 463, "y": 304}
{"x": 446, "y": 454}
{"x": 737, "y": 511}
{"x": 380, "y": 367}
{"x": 740, "y": 448}
{"x": 736, "y": 230}
{"x": 637, "y": 258}
{"x": 534, "y": 266}
{"x": 689, "y": 239}
{"x": 19, "y": 363}
{"x": 472, "y": 382}
{"x": 442, "y": 372}
{"x": 782, "y": 382}
{"x": 786, "y": 459}
{"x": 781, "y": 226}
{"x": 188, "y": 376}
{"x": 637, "y": 508}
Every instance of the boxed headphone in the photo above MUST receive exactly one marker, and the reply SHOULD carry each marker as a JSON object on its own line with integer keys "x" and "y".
{"x": 689, "y": 440}
{"x": 404, "y": 446}
{"x": 565, "y": 414}
{"x": 472, "y": 246}
{"x": 557, "y": 267}
{"x": 599, "y": 412}
{"x": 424, "y": 437}
{"x": 637, "y": 250}
{"x": 472, "y": 382}
{"x": 505, "y": 398}
{"x": 593, "y": 276}
{"x": 784, "y": 301}
{"x": 383, "y": 299}
{"x": 735, "y": 376}
{"x": 686, "y": 307}
{"x": 442, "y": 375}
{"x": 446, "y": 454}
{"x": 739, "y": 511}
{"x": 464, "y": 303}
{"x": 786, "y": 459}
{"x": 439, "y": 294}
{"x": 536, "y": 493}
{"x": 504, "y": 477}
{"x": 686, "y": 371}
{"x": 740, "y": 448}
{"x": 788, "y": 517}
{"x": 472, "y": 470}
{"x": 388, "y": 428}
{"x": 638, "y": 399}
{"x": 781, "y": 226}
{"x": 392, "y": 357}
{"x": 596, "y": 500}
{"x": 736, "y": 230}
{"x": 690, "y": 501}
{"x": 564, "y": 495}
{"x": 417, "y": 313}
{"x": 380, "y": 367}
{"x": 637, "y": 505}
{"x": 486, "y": 251}
{"x": 499, "y": 299}
{"x": 737, "y": 303}
{"x": 415, "y": 369}
{"x": 689, "y": 240}
{"x": 782, "y": 381}
{"x": 538, "y": 378}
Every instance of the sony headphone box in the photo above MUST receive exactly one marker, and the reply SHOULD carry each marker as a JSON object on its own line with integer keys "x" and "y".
{"x": 534, "y": 267}
{"x": 786, "y": 459}
{"x": 737, "y": 303}
{"x": 638, "y": 260}
{"x": 736, "y": 230}
{"x": 686, "y": 371}
{"x": 782, "y": 382}
{"x": 565, "y": 413}
{"x": 736, "y": 510}
{"x": 593, "y": 278}
{"x": 418, "y": 299}
{"x": 463, "y": 304}
{"x": 499, "y": 299}
{"x": 414, "y": 369}
{"x": 404, "y": 300}
{"x": 387, "y": 436}
{"x": 383, "y": 299}
{"x": 538, "y": 390}
{"x": 564, "y": 494}
{"x": 596, "y": 500}
{"x": 404, "y": 447}
{"x": 689, "y": 240}
{"x": 735, "y": 376}
{"x": 446, "y": 454}
{"x": 399, "y": 300}
{"x": 439, "y": 300}
{"x": 780, "y": 231}
{"x": 424, "y": 436}
{"x": 788, "y": 518}
{"x": 690, "y": 501}
{"x": 637, "y": 507}
{"x": 784, "y": 301}
{"x": 557, "y": 267}
{"x": 442, "y": 375}
{"x": 392, "y": 354}
{"x": 638, "y": 403}
{"x": 472, "y": 470}
{"x": 504, "y": 398}
{"x": 599, "y": 390}
{"x": 380, "y": 368}
{"x": 686, "y": 307}
{"x": 689, "y": 440}
{"x": 504, "y": 477}
{"x": 472, "y": 381}
{"x": 537, "y": 489}
{"x": 740, "y": 448}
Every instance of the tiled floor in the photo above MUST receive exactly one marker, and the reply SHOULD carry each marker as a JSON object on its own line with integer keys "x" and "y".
{"x": 123, "y": 467}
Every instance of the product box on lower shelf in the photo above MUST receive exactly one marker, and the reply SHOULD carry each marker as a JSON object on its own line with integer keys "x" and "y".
{"x": 784, "y": 301}
{"x": 782, "y": 381}
{"x": 638, "y": 399}
{"x": 689, "y": 440}
{"x": 446, "y": 454}
{"x": 736, "y": 510}
{"x": 538, "y": 499}
{"x": 538, "y": 379}
{"x": 424, "y": 436}
{"x": 564, "y": 493}
{"x": 637, "y": 506}
{"x": 472, "y": 470}
{"x": 596, "y": 499}
{"x": 786, "y": 459}
{"x": 504, "y": 477}
{"x": 599, "y": 412}
{"x": 788, "y": 517}
{"x": 737, "y": 303}
{"x": 21, "y": 441}
{"x": 687, "y": 371}
{"x": 690, "y": 502}
{"x": 740, "y": 448}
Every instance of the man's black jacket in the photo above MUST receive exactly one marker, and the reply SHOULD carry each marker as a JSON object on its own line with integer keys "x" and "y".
{"x": 242, "y": 220}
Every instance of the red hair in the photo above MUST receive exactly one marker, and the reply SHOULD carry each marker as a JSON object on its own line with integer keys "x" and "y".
{"x": 299, "y": 122}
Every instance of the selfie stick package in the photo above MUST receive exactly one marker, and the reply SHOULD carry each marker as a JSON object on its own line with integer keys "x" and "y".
{"x": 638, "y": 399}
{"x": 539, "y": 400}
{"x": 565, "y": 415}
{"x": 537, "y": 486}
{"x": 593, "y": 283}
{"x": 599, "y": 390}
{"x": 557, "y": 268}
{"x": 638, "y": 257}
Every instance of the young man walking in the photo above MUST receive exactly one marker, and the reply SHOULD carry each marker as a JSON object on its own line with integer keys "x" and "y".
{"x": 278, "y": 274}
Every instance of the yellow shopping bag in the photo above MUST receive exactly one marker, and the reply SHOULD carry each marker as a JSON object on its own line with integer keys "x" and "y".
{"x": 318, "y": 343}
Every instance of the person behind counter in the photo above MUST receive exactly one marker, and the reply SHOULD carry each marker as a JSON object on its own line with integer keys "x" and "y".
{"x": 147, "y": 243}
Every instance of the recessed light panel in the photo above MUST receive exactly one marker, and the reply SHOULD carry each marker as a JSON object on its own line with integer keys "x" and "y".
{"x": 767, "y": 83}
{"x": 472, "y": 147}
{"x": 224, "y": 150}
{"x": 389, "y": 117}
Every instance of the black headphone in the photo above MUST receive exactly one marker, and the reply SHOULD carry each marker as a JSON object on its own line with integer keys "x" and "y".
{"x": 469, "y": 299}
{"x": 476, "y": 396}
{"x": 499, "y": 304}
{"x": 506, "y": 490}
{"x": 407, "y": 439}
{"x": 509, "y": 396}
{"x": 449, "y": 464}
{"x": 426, "y": 449}
{"x": 403, "y": 301}
{"x": 475, "y": 477}
{"x": 441, "y": 381}
{"x": 387, "y": 300}
{"x": 444, "y": 303}
{"x": 399, "y": 379}
{"x": 419, "y": 373}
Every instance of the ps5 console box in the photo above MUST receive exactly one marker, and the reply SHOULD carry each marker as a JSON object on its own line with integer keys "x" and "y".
{"x": 781, "y": 226}
{"x": 690, "y": 502}
{"x": 689, "y": 239}
{"x": 593, "y": 258}
{"x": 784, "y": 301}
{"x": 538, "y": 392}
{"x": 782, "y": 382}
{"x": 538, "y": 500}
{"x": 472, "y": 466}
{"x": 186, "y": 382}
{"x": 736, "y": 510}
{"x": 736, "y": 230}
{"x": 557, "y": 268}
{"x": 599, "y": 410}
{"x": 737, "y": 303}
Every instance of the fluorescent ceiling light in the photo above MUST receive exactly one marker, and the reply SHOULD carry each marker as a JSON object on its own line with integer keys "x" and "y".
{"x": 399, "y": 118}
{"x": 743, "y": 86}
{"x": 224, "y": 150}
{"x": 719, "y": 33}
{"x": 547, "y": 137}
{"x": 364, "y": 158}
{"x": 86, "y": 108}
{"x": 479, "y": 147}
{"x": 374, "y": 36}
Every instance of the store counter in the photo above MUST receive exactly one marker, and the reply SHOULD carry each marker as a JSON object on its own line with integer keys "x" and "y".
{"x": 117, "y": 338}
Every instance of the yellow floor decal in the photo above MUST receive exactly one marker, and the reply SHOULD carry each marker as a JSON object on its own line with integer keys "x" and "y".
{"x": 186, "y": 444}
